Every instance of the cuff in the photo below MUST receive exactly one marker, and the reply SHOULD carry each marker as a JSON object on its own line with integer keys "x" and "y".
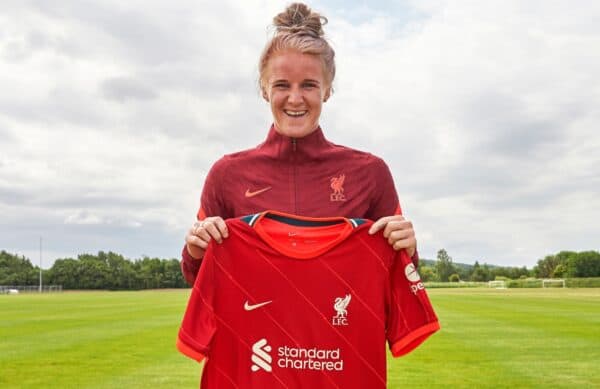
{"x": 189, "y": 266}
{"x": 414, "y": 339}
{"x": 188, "y": 351}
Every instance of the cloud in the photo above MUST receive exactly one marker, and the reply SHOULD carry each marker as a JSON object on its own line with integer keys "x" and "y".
{"x": 111, "y": 114}
{"x": 122, "y": 89}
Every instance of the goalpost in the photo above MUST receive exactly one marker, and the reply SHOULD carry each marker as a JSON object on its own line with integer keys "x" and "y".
{"x": 498, "y": 284}
{"x": 553, "y": 283}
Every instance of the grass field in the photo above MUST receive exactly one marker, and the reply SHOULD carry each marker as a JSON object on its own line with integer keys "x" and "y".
{"x": 515, "y": 338}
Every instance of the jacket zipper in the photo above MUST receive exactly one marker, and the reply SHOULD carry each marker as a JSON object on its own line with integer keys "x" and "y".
{"x": 294, "y": 148}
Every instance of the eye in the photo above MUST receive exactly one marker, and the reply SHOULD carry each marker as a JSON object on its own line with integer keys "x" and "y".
{"x": 309, "y": 85}
{"x": 280, "y": 85}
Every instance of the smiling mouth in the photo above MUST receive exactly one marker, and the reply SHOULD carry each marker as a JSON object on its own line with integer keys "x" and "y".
{"x": 295, "y": 114}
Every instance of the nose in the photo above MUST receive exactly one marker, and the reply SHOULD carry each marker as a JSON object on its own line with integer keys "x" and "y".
{"x": 295, "y": 96}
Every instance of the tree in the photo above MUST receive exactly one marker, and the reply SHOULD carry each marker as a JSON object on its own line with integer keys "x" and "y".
{"x": 65, "y": 272}
{"x": 584, "y": 264}
{"x": 444, "y": 266}
{"x": 17, "y": 270}
{"x": 545, "y": 267}
{"x": 427, "y": 273}
{"x": 454, "y": 278}
{"x": 480, "y": 274}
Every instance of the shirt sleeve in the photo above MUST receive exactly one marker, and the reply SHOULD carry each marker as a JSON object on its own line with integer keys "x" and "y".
{"x": 199, "y": 322}
{"x": 211, "y": 204}
{"x": 411, "y": 318}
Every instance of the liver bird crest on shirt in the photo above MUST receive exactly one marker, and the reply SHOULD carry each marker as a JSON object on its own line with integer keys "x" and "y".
{"x": 340, "y": 305}
{"x": 337, "y": 184}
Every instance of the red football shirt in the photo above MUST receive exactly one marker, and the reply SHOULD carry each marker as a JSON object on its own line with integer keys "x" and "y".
{"x": 289, "y": 301}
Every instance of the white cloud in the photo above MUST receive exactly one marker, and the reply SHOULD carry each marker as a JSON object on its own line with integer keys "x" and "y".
{"x": 111, "y": 114}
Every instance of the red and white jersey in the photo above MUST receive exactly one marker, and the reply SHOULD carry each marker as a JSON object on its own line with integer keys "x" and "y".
{"x": 289, "y": 301}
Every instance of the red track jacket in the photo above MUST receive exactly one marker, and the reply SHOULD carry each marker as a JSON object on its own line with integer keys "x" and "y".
{"x": 309, "y": 176}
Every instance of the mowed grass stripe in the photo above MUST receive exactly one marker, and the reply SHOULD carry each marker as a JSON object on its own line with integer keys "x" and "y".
{"x": 460, "y": 360}
{"x": 172, "y": 371}
{"x": 93, "y": 363}
{"x": 536, "y": 335}
{"x": 111, "y": 338}
{"x": 49, "y": 330}
{"x": 492, "y": 336}
{"x": 568, "y": 316}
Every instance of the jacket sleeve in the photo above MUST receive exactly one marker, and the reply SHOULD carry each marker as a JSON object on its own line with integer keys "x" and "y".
{"x": 211, "y": 204}
{"x": 385, "y": 200}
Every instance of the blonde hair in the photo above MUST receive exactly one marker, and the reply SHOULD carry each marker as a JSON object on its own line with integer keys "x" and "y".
{"x": 299, "y": 28}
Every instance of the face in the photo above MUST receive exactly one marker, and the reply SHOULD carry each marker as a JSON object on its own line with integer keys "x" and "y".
{"x": 295, "y": 87}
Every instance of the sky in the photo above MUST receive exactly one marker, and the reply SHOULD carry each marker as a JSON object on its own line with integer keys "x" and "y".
{"x": 486, "y": 112}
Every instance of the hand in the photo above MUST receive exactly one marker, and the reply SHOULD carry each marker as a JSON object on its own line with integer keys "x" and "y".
{"x": 202, "y": 232}
{"x": 398, "y": 231}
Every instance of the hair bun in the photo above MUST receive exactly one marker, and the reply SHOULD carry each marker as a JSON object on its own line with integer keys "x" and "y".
{"x": 298, "y": 18}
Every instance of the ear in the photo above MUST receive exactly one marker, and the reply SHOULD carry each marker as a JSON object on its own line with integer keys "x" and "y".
{"x": 264, "y": 94}
{"x": 327, "y": 95}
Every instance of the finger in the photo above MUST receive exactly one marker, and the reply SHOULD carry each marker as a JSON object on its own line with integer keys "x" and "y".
{"x": 379, "y": 224}
{"x": 197, "y": 227}
{"x": 202, "y": 233}
{"x": 397, "y": 235}
{"x": 222, "y": 227}
{"x": 405, "y": 243}
{"x": 213, "y": 231}
{"x": 196, "y": 241}
{"x": 396, "y": 225}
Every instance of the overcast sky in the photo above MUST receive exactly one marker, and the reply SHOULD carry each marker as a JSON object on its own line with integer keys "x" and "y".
{"x": 486, "y": 112}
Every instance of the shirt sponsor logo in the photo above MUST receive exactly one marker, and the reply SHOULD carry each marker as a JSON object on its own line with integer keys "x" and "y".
{"x": 260, "y": 356}
{"x": 256, "y": 192}
{"x": 337, "y": 184}
{"x": 414, "y": 278}
{"x": 296, "y": 358}
{"x": 249, "y": 307}
{"x": 341, "y": 305}
{"x": 309, "y": 359}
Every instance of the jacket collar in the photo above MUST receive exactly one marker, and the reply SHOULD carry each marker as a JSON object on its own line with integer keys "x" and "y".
{"x": 310, "y": 147}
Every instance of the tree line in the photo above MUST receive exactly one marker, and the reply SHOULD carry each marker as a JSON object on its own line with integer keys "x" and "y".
{"x": 565, "y": 264}
{"x": 108, "y": 270}
{"x": 105, "y": 270}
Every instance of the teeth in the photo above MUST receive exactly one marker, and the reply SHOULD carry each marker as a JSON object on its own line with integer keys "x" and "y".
{"x": 295, "y": 113}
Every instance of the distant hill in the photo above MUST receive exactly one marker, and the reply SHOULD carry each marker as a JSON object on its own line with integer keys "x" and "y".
{"x": 463, "y": 266}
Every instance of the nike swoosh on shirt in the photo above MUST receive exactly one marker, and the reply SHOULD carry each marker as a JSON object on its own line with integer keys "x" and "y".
{"x": 256, "y": 192}
{"x": 249, "y": 307}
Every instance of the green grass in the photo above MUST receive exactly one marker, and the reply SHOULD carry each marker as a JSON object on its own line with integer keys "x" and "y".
{"x": 94, "y": 340}
{"x": 489, "y": 338}
{"x": 510, "y": 338}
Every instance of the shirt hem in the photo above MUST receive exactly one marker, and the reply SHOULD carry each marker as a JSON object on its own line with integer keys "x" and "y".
{"x": 189, "y": 352}
{"x": 414, "y": 339}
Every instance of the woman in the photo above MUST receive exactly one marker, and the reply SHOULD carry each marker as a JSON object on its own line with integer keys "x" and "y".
{"x": 296, "y": 170}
